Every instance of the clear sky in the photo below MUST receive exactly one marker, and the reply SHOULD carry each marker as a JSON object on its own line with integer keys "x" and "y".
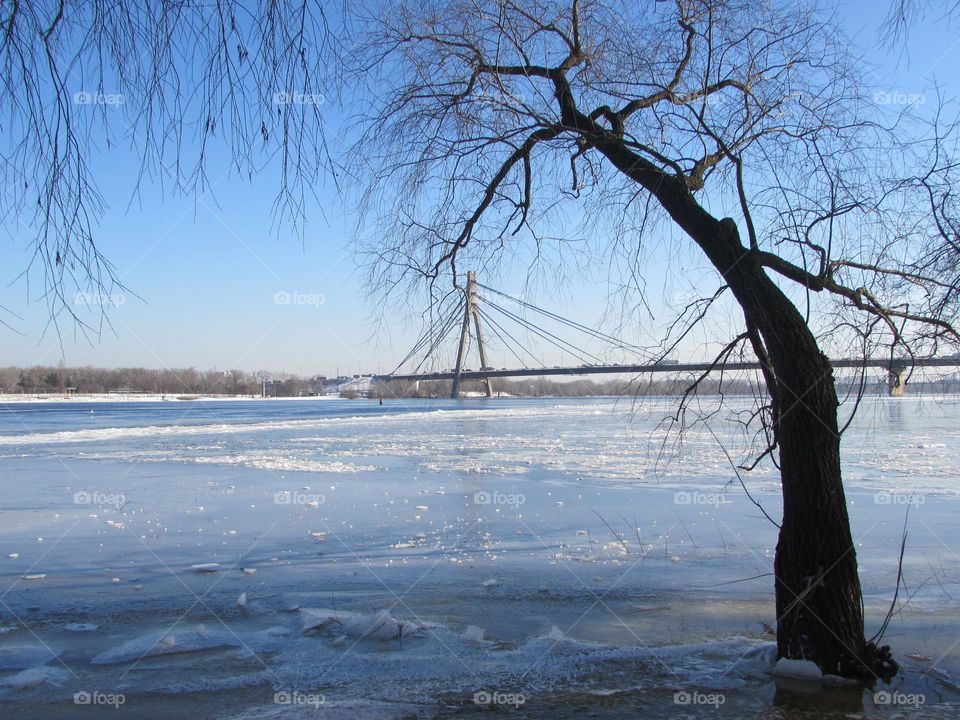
{"x": 207, "y": 270}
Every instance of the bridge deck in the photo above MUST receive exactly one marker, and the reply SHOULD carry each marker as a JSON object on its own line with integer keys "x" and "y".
{"x": 658, "y": 368}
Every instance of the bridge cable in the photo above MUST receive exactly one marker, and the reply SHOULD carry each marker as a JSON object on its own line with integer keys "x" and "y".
{"x": 566, "y": 321}
{"x": 559, "y": 343}
{"x": 571, "y": 323}
{"x": 495, "y": 327}
{"x": 429, "y": 334}
{"x": 424, "y": 339}
{"x": 451, "y": 323}
{"x": 548, "y": 336}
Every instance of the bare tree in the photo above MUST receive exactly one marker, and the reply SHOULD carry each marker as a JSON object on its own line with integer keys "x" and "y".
{"x": 485, "y": 125}
{"x": 743, "y": 127}
{"x": 903, "y": 14}
{"x": 191, "y": 88}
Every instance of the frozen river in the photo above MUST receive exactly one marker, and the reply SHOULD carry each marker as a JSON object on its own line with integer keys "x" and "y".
{"x": 541, "y": 557}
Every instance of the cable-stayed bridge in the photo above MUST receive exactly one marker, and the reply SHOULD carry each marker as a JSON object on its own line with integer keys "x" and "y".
{"x": 482, "y": 307}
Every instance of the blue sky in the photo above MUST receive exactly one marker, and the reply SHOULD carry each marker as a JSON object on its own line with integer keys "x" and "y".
{"x": 208, "y": 269}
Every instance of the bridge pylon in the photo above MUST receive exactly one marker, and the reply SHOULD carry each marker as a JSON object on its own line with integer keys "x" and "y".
{"x": 896, "y": 378}
{"x": 470, "y": 313}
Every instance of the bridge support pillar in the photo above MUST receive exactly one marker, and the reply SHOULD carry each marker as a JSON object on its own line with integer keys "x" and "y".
{"x": 897, "y": 381}
{"x": 470, "y": 313}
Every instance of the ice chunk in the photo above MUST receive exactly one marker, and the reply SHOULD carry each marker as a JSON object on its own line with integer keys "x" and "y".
{"x": 377, "y": 626}
{"x": 205, "y": 567}
{"x": 556, "y": 634}
{"x": 380, "y": 626}
{"x": 473, "y": 633}
{"x": 763, "y": 656}
{"x": 316, "y": 619}
{"x": 19, "y": 657}
{"x": 154, "y": 644}
{"x": 797, "y": 669}
{"x": 35, "y": 676}
{"x": 490, "y": 583}
{"x": 80, "y": 627}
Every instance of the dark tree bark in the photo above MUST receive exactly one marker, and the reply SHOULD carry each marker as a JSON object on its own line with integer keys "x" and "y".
{"x": 818, "y": 595}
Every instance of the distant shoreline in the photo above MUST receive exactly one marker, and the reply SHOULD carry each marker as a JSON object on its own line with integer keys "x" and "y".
{"x": 9, "y": 398}
{"x": 103, "y": 398}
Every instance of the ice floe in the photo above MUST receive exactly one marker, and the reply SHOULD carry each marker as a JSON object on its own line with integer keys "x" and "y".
{"x": 473, "y": 633}
{"x": 797, "y": 670}
{"x": 155, "y": 644}
{"x": 80, "y": 627}
{"x": 35, "y": 677}
{"x": 380, "y": 625}
{"x": 19, "y": 657}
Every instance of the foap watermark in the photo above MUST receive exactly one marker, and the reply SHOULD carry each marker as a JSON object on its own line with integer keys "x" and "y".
{"x": 295, "y": 697}
{"x": 298, "y": 98}
{"x": 886, "y": 697}
{"x": 896, "y": 97}
{"x": 503, "y": 97}
{"x": 683, "y": 497}
{"x": 99, "y": 299}
{"x": 293, "y": 497}
{"x": 496, "y": 697}
{"x": 685, "y": 298}
{"x": 483, "y": 497}
{"x": 85, "y": 97}
{"x": 95, "y": 697}
{"x": 285, "y": 297}
{"x": 687, "y": 697}
{"x": 86, "y": 497}
{"x": 898, "y": 498}
{"x": 698, "y": 98}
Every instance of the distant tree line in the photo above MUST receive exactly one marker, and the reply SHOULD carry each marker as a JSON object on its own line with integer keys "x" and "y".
{"x": 40, "y": 380}
{"x": 48, "y": 380}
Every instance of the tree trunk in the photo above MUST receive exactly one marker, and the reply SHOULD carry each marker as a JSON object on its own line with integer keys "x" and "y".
{"x": 819, "y": 603}
{"x": 818, "y": 595}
